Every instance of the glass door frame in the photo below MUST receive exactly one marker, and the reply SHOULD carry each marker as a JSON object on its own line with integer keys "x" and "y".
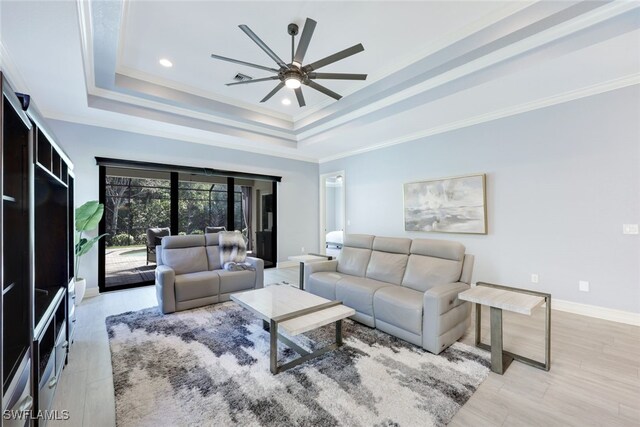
{"x": 175, "y": 171}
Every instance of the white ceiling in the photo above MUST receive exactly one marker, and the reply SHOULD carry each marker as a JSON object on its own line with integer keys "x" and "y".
{"x": 433, "y": 66}
{"x": 394, "y": 35}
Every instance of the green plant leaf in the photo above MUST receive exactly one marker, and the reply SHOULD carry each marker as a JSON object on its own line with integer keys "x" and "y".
{"x": 88, "y": 216}
{"x": 85, "y": 245}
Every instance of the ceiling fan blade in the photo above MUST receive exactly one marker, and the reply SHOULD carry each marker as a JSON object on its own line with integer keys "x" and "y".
{"x": 334, "y": 58}
{"x": 300, "y": 97}
{"x": 337, "y": 76}
{"x": 273, "y": 92}
{"x": 323, "y": 89}
{"x": 305, "y": 38}
{"x": 248, "y": 64}
{"x": 262, "y": 45}
{"x": 254, "y": 81}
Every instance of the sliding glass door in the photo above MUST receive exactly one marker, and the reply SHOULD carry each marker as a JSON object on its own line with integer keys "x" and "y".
{"x": 142, "y": 206}
{"x": 202, "y": 204}
{"x": 135, "y": 202}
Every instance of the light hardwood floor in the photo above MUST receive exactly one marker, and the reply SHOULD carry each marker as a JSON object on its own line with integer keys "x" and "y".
{"x": 594, "y": 377}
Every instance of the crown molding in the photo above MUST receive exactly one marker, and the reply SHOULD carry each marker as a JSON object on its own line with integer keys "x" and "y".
{"x": 564, "y": 29}
{"x": 190, "y": 114}
{"x": 11, "y": 72}
{"x": 550, "y": 101}
{"x": 156, "y": 80}
{"x": 86, "y": 43}
{"x": 205, "y": 139}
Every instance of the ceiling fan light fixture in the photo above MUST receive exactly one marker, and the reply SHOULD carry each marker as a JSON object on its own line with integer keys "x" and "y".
{"x": 293, "y": 75}
{"x": 293, "y": 81}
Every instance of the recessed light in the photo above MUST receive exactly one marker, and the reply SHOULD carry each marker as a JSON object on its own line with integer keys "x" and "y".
{"x": 286, "y": 101}
{"x": 166, "y": 63}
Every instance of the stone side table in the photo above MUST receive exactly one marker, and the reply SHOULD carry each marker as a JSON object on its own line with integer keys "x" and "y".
{"x": 500, "y": 298}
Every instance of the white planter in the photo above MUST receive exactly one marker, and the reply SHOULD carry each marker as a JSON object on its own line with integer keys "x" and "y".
{"x": 81, "y": 287}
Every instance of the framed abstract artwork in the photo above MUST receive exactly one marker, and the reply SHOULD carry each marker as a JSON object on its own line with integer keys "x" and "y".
{"x": 447, "y": 205}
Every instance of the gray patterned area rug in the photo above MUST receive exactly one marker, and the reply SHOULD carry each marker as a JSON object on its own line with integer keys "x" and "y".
{"x": 210, "y": 367}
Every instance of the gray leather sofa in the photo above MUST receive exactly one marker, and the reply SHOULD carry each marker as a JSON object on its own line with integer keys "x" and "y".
{"x": 189, "y": 273}
{"x": 407, "y": 288}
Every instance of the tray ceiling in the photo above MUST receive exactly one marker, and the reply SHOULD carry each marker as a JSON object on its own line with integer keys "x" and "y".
{"x": 394, "y": 35}
{"x": 433, "y": 66}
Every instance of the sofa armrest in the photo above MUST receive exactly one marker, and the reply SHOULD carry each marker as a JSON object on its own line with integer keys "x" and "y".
{"x": 159, "y": 255}
{"x": 314, "y": 267}
{"x": 165, "y": 288}
{"x": 258, "y": 264}
{"x": 446, "y": 317}
{"x": 442, "y": 298}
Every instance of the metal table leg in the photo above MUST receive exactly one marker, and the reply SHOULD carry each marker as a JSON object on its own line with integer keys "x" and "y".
{"x": 273, "y": 346}
{"x": 305, "y": 355}
{"x": 499, "y": 360}
{"x": 302, "y": 275}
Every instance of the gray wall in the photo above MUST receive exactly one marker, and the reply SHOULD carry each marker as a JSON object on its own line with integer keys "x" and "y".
{"x": 298, "y": 195}
{"x": 561, "y": 181}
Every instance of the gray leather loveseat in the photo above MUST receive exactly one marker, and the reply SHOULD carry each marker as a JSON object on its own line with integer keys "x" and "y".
{"x": 189, "y": 273}
{"x": 407, "y": 288}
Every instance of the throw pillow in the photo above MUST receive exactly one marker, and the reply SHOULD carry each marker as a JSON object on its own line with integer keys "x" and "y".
{"x": 232, "y": 247}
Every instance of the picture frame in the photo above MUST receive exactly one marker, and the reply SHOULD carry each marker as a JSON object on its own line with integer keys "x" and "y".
{"x": 446, "y": 205}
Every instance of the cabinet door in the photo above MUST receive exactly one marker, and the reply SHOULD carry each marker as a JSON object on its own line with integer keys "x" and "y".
{"x": 16, "y": 134}
{"x": 21, "y": 402}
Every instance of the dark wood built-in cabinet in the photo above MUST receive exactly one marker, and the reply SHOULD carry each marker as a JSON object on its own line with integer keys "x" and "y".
{"x": 15, "y": 253}
{"x": 36, "y": 253}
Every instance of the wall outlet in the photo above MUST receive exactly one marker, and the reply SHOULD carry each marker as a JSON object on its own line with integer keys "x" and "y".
{"x": 534, "y": 278}
{"x": 348, "y": 222}
{"x": 302, "y": 250}
{"x": 583, "y": 285}
{"x": 629, "y": 228}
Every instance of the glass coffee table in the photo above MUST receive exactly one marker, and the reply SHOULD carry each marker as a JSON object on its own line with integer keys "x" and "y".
{"x": 294, "y": 311}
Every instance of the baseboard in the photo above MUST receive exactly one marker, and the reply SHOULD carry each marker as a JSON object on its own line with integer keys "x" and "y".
{"x": 604, "y": 313}
{"x": 91, "y": 292}
{"x": 287, "y": 264}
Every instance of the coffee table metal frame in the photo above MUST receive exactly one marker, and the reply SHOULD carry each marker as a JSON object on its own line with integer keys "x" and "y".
{"x": 272, "y": 328}
{"x": 302, "y": 263}
{"x": 500, "y": 358}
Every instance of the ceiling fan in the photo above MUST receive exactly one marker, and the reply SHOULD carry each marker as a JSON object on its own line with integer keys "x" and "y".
{"x": 294, "y": 74}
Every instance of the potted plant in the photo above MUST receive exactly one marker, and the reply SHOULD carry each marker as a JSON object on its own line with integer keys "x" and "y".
{"x": 88, "y": 217}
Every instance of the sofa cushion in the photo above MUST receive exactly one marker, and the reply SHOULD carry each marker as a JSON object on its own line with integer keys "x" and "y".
{"x": 425, "y": 272}
{"x": 387, "y": 267}
{"x": 185, "y": 260}
{"x": 438, "y": 249}
{"x": 400, "y": 307}
{"x": 233, "y": 281}
{"x": 213, "y": 257}
{"x": 396, "y": 245}
{"x": 362, "y": 241}
{"x": 353, "y": 261}
{"x": 212, "y": 239}
{"x": 175, "y": 242}
{"x": 323, "y": 284}
{"x": 196, "y": 285}
{"x": 357, "y": 292}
